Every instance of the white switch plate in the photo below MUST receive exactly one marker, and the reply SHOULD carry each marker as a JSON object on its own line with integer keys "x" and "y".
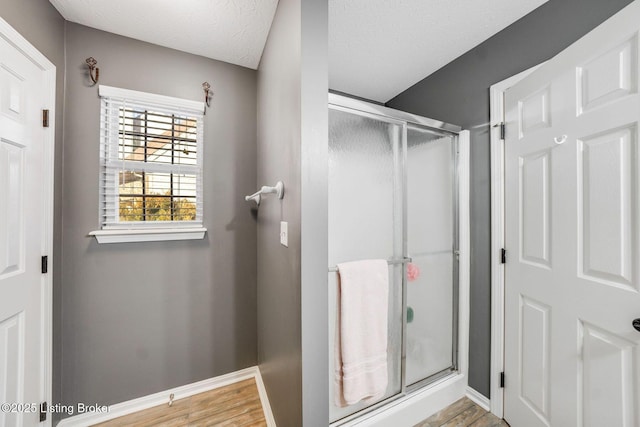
{"x": 284, "y": 233}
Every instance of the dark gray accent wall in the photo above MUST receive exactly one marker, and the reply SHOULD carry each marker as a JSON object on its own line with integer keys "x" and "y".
{"x": 459, "y": 93}
{"x": 279, "y": 139}
{"x": 40, "y": 23}
{"x": 139, "y": 318}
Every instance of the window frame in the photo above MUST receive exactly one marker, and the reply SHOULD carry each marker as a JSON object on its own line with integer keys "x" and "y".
{"x": 112, "y": 230}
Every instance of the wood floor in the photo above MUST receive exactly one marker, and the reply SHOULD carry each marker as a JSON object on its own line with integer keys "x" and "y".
{"x": 239, "y": 405}
{"x": 234, "y": 405}
{"x": 463, "y": 413}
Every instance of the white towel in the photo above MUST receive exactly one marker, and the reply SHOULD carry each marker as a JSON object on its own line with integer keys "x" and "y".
{"x": 360, "y": 350}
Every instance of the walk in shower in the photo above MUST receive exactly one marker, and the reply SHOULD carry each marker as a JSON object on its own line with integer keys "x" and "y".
{"x": 393, "y": 195}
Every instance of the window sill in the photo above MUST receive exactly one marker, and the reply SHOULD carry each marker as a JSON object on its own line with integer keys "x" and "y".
{"x": 150, "y": 235}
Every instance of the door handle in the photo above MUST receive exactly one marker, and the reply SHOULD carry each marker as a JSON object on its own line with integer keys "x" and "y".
{"x": 636, "y": 324}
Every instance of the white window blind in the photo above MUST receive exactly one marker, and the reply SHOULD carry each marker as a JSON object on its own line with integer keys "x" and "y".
{"x": 151, "y": 160}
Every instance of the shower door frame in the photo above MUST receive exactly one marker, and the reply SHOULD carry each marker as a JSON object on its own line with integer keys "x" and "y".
{"x": 459, "y": 249}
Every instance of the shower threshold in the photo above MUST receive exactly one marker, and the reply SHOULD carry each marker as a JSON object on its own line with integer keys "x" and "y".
{"x": 418, "y": 401}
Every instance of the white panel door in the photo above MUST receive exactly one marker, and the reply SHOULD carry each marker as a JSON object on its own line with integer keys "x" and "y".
{"x": 572, "y": 355}
{"x": 22, "y": 239}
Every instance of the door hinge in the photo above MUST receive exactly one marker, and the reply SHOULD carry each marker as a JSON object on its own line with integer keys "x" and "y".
{"x": 43, "y": 411}
{"x": 45, "y": 264}
{"x": 45, "y": 118}
{"x": 502, "y": 127}
{"x": 501, "y": 379}
{"x": 503, "y": 256}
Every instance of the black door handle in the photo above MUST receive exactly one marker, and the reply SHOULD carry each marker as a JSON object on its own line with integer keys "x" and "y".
{"x": 636, "y": 324}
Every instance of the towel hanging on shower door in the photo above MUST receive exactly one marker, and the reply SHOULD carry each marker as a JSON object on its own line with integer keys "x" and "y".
{"x": 360, "y": 350}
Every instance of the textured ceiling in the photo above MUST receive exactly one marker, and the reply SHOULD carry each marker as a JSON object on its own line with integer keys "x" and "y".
{"x": 379, "y": 48}
{"x": 233, "y": 31}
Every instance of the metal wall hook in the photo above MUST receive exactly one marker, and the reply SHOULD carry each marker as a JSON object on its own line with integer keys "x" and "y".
{"x": 207, "y": 88}
{"x": 91, "y": 63}
{"x": 560, "y": 140}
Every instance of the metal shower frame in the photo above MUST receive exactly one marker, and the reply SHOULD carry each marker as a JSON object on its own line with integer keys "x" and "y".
{"x": 405, "y": 121}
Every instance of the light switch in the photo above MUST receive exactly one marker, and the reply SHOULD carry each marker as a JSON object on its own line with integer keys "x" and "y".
{"x": 284, "y": 233}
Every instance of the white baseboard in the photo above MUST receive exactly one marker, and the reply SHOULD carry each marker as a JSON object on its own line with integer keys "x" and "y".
{"x": 478, "y": 398}
{"x": 162, "y": 398}
{"x": 266, "y": 406}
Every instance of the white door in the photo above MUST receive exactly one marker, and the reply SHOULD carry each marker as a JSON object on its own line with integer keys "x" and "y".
{"x": 23, "y": 237}
{"x": 572, "y": 356}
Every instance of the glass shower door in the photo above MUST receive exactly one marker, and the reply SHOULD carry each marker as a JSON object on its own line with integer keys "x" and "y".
{"x": 365, "y": 222}
{"x": 431, "y": 243}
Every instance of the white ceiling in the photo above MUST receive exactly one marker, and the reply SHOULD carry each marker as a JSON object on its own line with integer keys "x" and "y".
{"x": 233, "y": 31}
{"x": 379, "y": 48}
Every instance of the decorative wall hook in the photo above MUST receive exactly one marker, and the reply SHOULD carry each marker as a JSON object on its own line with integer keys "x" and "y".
{"x": 91, "y": 63}
{"x": 207, "y": 87}
{"x": 560, "y": 140}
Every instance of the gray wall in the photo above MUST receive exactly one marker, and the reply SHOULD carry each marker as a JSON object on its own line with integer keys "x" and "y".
{"x": 279, "y": 138}
{"x": 293, "y": 147}
{"x": 40, "y": 23}
{"x": 314, "y": 176}
{"x": 140, "y": 318}
{"x": 459, "y": 93}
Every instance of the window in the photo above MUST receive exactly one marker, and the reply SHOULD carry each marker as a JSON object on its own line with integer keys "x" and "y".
{"x": 151, "y": 167}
